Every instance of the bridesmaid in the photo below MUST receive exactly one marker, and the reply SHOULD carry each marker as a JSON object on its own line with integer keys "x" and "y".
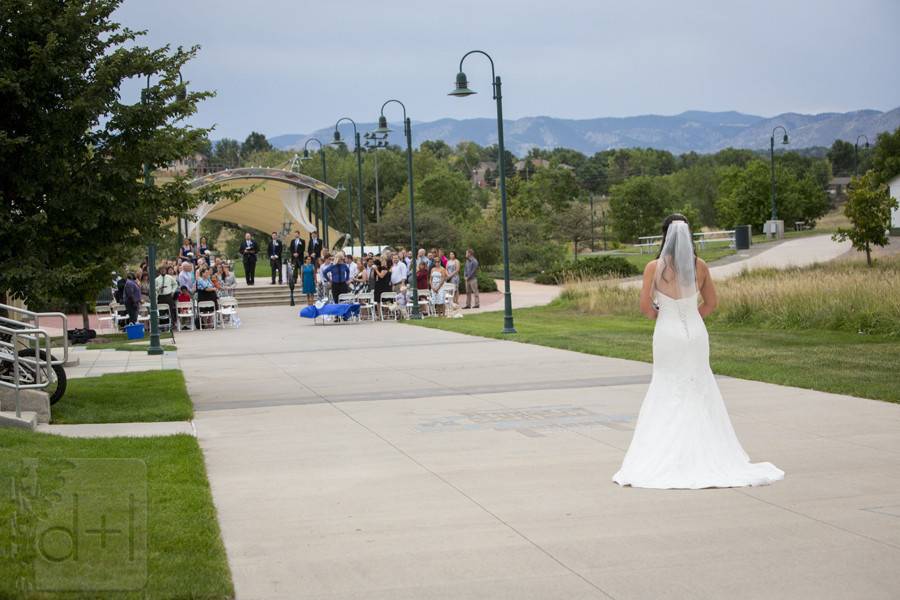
{"x": 309, "y": 280}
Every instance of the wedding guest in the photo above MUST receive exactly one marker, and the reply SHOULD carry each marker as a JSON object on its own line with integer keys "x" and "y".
{"x": 297, "y": 250}
{"x": 229, "y": 283}
{"x": 399, "y": 272}
{"x": 470, "y": 273}
{"x": 452, "y": 267}
{"x": 422, "y": 275}
{"x": 187, "y": 250}
{"x": 249, "y": 249}
{"x": 315, "y": 245}
{"x": 275, "y": 249}
{"x": 309, "y": 280}
{"x": 203, "y": 248}
{"x": 145, "y": 286}
{"x": 382, "y": 276}
{"x": 339, "y": 275}
{"x": 166, "y": 285}
{"x": 206, "y": 291}
{"x": 186, "y": 278}
{"x": 438, "y": 278}
{"x": 132, "y": 297}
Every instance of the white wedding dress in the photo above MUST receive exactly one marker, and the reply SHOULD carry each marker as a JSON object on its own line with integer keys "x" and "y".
{"x": 684, "y": 438}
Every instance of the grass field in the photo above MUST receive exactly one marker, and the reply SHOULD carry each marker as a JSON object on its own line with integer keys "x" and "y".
{"x": 831, "y": 361}
{"x": 125, "y": 398}
{"x": 174, "y": 550}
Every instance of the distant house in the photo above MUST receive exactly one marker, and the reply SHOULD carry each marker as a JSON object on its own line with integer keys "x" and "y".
{"x": 196, "y": 164}
{"x": 537, "y": 163}
{"x": 483, "y": 169}
{"x": 894, "y": 187}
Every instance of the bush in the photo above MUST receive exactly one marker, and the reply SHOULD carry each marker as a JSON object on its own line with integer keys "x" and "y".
{"x": 588, "y": 268}
{"x": 486, "y": 283}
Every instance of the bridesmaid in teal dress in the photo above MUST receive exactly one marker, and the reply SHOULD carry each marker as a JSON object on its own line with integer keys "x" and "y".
{"x": 309, "y": 280}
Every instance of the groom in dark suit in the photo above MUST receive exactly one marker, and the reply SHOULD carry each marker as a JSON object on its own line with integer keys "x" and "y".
{"x": 249, "y": 249}
{"x": 275, "y": 249}
{"x": 297, "y": 249}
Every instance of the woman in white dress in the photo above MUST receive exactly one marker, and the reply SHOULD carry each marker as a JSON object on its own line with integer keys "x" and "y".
{"x": 684, "y": 438}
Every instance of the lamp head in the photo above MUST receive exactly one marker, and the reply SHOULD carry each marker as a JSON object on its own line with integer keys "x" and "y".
{"x": 336, "y": 140}
{"x": 305, "y": 153}
{"x": 382, "y": 126}
{"x": 462, "y": 86}
{"x": 867, "y": 144}
{"x": 784, "y": 140}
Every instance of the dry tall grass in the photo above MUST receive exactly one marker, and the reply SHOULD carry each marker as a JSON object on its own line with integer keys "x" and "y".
{"x": 841, "y": 295}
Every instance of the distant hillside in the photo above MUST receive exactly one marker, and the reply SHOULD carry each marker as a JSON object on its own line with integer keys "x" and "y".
{"x": 699, "y": 131}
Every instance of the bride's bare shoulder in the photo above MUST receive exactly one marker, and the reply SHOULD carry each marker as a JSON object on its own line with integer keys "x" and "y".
{"x": 651, "y": 267}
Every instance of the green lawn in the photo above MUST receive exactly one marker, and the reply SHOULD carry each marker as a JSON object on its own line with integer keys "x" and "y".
{"x": 120, "y": 341}
{"x": 183, "y": 555}
{"x": 708, "y": 254}
{"x": 125, "y": 398}
{"x": 831, "y": 361}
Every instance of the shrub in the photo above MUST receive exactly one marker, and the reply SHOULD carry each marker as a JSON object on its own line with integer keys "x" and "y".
{"x": 595, "y": 267}
{"x": 486, "y": 283}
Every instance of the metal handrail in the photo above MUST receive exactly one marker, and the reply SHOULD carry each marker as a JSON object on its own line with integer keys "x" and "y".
{"x": 36, "y": 318}
{"x": 9, "y": 351}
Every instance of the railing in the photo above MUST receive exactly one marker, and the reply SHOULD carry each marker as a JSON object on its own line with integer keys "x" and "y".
{"x": 10, "y": 339}
{"x": 35, "y": 319}
{"x": 702, "y": 237}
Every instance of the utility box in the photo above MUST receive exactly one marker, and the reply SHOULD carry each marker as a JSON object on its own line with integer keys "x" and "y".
{"x": 774, "y": 229}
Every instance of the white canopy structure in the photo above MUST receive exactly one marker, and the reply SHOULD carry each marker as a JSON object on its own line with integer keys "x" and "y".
{"x": 279, "y": 198}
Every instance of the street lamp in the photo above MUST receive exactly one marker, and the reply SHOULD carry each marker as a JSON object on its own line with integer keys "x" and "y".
{"x": 856, "y": 153}
{"x": 373, "y": 142}
{"x": 339, "y": 142}
{"x": 407, "y": 131}
{"x": 155, "y": 349}
{"x": 324, "y": 180}
{"x": 784, "y": 140}
{"x": 462, "y": 90}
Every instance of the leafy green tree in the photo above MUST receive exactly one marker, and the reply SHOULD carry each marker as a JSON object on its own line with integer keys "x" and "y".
{"x": 227, "y": 152}
{"x": 841, "y": 157}
{"x": 255, "y": 142}
{"x": 573, "y": 224}
{"x": 73, "y": 152}
{"x": 638, "y": 205}
{"x": 698, "y": 186}
{"x": 446, "y": 189}
{"x": 868, "y": 207}
{"x": 547, "y": 191}
{"x": 886, "y": 156}
{"x": 439, "y": 148}
{"x": 434, "y": 226}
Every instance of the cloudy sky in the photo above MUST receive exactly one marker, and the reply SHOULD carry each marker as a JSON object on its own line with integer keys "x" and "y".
{"x": 282, "y": 66}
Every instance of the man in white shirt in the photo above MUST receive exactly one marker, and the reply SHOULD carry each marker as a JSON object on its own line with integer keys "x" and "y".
{"x": 399, "y": 272}
{"x": 166, "y": 286}
{"x": 354, "y": 269}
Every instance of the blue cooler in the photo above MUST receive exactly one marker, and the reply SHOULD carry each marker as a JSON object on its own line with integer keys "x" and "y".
{"x": 135, "y": 331}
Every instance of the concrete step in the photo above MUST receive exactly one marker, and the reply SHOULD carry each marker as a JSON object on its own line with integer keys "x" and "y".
{"x": 265, "y": 302}
{"x": 28, "y": 420}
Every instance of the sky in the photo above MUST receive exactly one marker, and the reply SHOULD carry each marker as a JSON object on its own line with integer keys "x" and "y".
{"x": 281, "y": 66}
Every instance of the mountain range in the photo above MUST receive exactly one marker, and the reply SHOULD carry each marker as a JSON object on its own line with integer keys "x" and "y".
{"x": 695, "y": 130}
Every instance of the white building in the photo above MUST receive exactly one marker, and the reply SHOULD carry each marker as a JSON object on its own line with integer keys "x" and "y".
{"x": 894, "y": 189}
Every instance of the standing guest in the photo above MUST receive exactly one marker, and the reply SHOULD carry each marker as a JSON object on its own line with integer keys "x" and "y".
{"x": 297, "y": 250}
{"x": 382, "y": 277}
{"x": 324, "y": 282}
{"x": 309, "y": 280}
{"x": 361, "y": 279}
{"x": 422, "y": 276}
{"x": 354, "y": 267}
{"x": 166, "y": 286}
{"x": 315, "y": 245}
{"x": 452, "y": 267}
{"x": 145, "y": 286}
{"x": 471, "y": 276}
{"x": 420, "y": 257}
{"x": 442, "y": 257}
{"x": 249, "y": 249}
{"x": 399, "y": 272}
{"x": 132, "y": 296}
{"x": 438, "y": 279}
{"x": 186, "y": 278}
{"x": 275, "y": 250}
{"x": 339, "y": 274}
{"x": 187, "y": 250}
{"x": 203, "y": 248}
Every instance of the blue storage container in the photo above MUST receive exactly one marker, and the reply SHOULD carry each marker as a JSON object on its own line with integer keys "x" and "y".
{"x": 135, "y": 331}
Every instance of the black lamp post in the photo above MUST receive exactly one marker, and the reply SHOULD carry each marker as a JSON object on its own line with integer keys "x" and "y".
{"x": 155, "y": 349}
{"x": 772, "y": 158}
{"x": 462, "y": 90}
{"x": 362, "y": 216}
{"x": 322, "y": 197}
{"x": 856, "y": 153}
{"x": 407, "y": 131}
{"x": 373, "y": 142}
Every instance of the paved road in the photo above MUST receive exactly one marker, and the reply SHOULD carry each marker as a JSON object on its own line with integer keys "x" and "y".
{"x": 385, "y": 461}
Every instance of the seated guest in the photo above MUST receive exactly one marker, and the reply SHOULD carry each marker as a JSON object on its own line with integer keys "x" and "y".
{"x": 184, "y": 295}
{"x": 205, "y": 288}
{"x": 228, "y": 281}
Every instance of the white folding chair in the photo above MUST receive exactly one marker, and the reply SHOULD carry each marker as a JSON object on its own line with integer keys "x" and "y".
{"x": 388, "y": 299}
{"x": 347, "y": 298}
{"x": 185, "y": 312}
{"x": 227, "y": 311}
{"x": 206, "y": 312}
{"x": 121, "y": 317}
{"x": 105, "y": 315}
{"x": 367, "y": 309}
{"x": 164, "y": 317}
{"x": 144, "y": 314}
{"x": 426, "y": 308}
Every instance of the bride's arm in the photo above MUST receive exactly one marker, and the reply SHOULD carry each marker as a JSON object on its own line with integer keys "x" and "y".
{"x": 646, "y": 291}
{"x": 707, "y": 291}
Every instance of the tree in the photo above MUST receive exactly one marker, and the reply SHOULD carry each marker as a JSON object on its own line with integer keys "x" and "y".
{"x": 227, "y": 152}
{"x": 446, "y": 189}
{"x": 868, "y": 207}
{"x": 886, "y": 156}
{"x": 547, "y": 191}
{"x": 439, "y": 148}
{"x": 573, "y": 224}
{"x": 638, "y": 206}
{"x": 841, "y": 156}
{"x": 255, "y": 142}
{"x": 73, "y": 152}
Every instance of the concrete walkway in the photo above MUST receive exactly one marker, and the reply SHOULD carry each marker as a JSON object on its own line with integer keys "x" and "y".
{"x": 386, "y": 461}
{"x": 103, "y": 430}
{"x": 92, "y": 363}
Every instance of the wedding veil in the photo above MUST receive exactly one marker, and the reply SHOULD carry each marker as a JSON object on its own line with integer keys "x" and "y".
{"x": 675, "y": 268}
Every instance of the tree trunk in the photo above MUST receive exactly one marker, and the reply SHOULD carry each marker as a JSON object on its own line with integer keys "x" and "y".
{"x": 868, "y": 254}
{"x": 86, "y": 320}
{"x": 575, "y": 244}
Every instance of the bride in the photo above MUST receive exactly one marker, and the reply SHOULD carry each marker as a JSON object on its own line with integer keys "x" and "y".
{"x": 684, "y": 438}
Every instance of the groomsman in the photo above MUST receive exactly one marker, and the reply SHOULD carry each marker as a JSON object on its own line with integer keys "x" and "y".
{"x": 275, "y": 249}
{"x": 297, "y": 249}
{"x": 249, "y": 249}
{"x": 315, "y": 245}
